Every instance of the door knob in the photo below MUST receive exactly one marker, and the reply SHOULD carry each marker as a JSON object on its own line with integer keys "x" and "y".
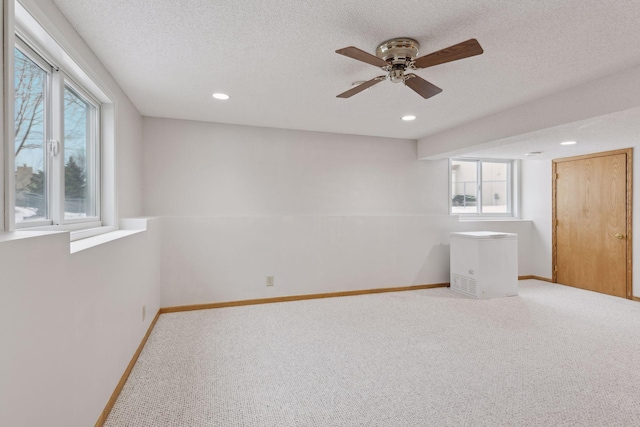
{"x": 618, "y": 236}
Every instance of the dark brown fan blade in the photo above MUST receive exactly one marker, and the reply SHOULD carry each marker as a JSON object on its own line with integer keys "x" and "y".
{"x": 421, "y": 86}
{"x": 361, "y": 55}
{"x": 361, "y": 87}
{"x": 452, "y": 53}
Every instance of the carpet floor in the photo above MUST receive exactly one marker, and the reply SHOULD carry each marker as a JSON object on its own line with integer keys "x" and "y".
{"x": 552, "y": 356}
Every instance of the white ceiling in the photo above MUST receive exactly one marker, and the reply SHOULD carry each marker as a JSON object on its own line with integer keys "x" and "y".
{"x": 276, "y": 58}
{"x": 604, "y": 133}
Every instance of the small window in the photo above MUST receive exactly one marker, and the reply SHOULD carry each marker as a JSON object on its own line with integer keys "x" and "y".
{"x": 56, "y": 145}
{"x": 482, "y": 187}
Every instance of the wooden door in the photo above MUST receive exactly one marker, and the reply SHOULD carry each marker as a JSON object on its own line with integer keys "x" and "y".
{"x": 592, "y": 217}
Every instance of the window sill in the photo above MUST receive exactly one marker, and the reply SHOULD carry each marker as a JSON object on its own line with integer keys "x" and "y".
{"x": 129, "y": 227}
{"x": 87, "y": 239}
{"x": 492, "y": 219}
{"x": 28, "y": 234}
{"x": 90, "y": 242}
{"x": 90, "y": 232}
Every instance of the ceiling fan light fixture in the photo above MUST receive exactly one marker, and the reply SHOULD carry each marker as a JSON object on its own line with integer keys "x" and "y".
{"x": 408, "y": 118}
{"x": 221, "y": 96}
{"x": 568, "y": 142}
{"x": 398, "y": 56}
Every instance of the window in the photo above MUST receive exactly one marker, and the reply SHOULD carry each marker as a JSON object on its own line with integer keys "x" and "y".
{"x": 31, "y": 82}
{"x": 56, "y": 146}
{"x": 59, "y": 168}
{"x": 482, "y": 187}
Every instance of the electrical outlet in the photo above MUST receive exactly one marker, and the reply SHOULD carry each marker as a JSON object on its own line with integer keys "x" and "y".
{"x": 144, "y": 312}
{"x": 270, "y": 280}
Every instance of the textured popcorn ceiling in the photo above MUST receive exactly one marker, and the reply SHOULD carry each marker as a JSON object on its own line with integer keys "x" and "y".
{"x": 609, "y": 132}
{"x": 276, "y": 59}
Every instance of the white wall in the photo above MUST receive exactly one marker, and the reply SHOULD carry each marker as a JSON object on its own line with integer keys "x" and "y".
{"x": 129, "y": 160}
{"x": 72, "y": 322}
{"x": 206, "y": 169}
{"x": 321, "y": 212}
{"x": 536, "y": 189}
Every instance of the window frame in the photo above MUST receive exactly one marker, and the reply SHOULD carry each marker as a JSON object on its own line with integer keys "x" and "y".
{"x": 33, "y": 55}
{"x": 96, "y": 150}
{"x": 512, "y": 189}
{"x": 57, "y": 82}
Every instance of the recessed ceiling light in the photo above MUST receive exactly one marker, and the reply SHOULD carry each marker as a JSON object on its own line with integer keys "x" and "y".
{"x": 408, "y": 118}
{"x": 222, "y": 96}
{"x": 568, "y": 142}
{"x": 533, "y": 153}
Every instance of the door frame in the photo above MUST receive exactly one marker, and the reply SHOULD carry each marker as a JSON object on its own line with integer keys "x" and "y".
{"x": 629, "y": 212}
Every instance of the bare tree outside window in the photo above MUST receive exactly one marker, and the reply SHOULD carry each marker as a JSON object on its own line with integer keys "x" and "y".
{"x": 31, "y": 135}
{"x": 30, "y": 161}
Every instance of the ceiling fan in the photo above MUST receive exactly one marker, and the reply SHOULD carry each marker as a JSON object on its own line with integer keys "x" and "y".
{"x": 396, "y": 56}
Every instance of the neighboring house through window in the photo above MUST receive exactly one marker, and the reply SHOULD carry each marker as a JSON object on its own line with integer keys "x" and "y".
{"x": 482, "y": 187}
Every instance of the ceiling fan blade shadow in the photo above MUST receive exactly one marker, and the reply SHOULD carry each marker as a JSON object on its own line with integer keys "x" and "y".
{"x": 361, "y": 87}
{"x": 421, "y": 86}
{"x": 361, "y": 55}
{"x": 462, "y": 50}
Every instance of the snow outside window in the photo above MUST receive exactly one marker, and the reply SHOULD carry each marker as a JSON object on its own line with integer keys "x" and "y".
{"x": 56, "y": 145}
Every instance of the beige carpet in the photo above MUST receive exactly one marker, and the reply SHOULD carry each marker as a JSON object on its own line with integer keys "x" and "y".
{"x": 553, "y": 356}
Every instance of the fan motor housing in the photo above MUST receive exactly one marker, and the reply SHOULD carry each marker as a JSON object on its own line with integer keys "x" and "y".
{"x": 398, "y": 51}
